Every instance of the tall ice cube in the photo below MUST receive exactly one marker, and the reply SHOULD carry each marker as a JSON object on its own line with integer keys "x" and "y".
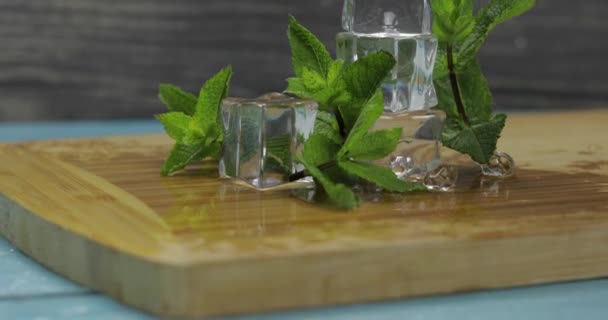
{"x": 400, "y": 27}
{"x": 262, "y": 137}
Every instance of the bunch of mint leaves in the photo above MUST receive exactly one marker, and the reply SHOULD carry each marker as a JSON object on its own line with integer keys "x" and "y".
{"x": 339, "y": 152}
{"x": 194, "y": 123}
{"x": 471, "y": 127}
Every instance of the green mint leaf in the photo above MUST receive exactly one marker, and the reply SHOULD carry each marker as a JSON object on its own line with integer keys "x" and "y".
{"x": 461, "y": 87}
{"x": 176, "y": 124}
{"x": 441, "y": 71}
{"x": 362, "y": 79}
{"x": 339, "y": 194}
{"x": 461, "y": 131}
{"x": 183, "y": 155}
{"x": 494, "y": 13}
{"x": 208, "y": 113}
{"x": 201, "y": 135}
{"x": 295, "y": 86}
{"x": 314, "y": 88}
{"x": 335, "y": 71}
{"x": 372, "y": 110}
{"x": 177, "y": 100}
{"x": 381, "y": 176}
{"x": 319, "y": 150}
{"x": 478, "y": 141}
{"x": 474, "y": 92}
{"x": 476, "y": 95}
{"x": 307, "y": 50}
{"x": 327, "y": 125}
{"x": 453, "y": 19}
{"x": 313, "y": 81}
{"x": 375, "y": 145}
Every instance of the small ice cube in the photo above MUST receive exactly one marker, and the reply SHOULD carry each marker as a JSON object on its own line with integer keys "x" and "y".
{"x": 262, "y": 137}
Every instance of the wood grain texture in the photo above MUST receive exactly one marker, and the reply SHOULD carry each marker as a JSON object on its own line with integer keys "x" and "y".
{"x": 68, "y": 59}
{"x": 98, "y": 212}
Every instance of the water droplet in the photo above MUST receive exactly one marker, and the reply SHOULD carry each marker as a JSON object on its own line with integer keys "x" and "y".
{"x": 442, "y": 179}
{"x": 501, "y": 165}
{"x": 402, "y": 166}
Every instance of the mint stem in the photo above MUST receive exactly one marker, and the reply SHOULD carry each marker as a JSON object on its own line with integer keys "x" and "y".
{"x": 456, "y": 86}
{"x": 341, "y": 124}
{"x": 303, "y": 174}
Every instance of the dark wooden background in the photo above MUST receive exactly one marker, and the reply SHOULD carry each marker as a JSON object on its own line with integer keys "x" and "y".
{"x": 83, "y": 59}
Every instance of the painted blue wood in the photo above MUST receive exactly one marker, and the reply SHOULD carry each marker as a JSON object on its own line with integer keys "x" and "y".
{"x": 82, "y": 307}
{"x": 582, "y": 300}
{"x": 55, "y": 130}
{"x": 20, "y": 277}
{"x": 28, "y": 291}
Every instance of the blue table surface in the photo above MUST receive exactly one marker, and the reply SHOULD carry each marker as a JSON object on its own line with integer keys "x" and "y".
{"x": 29, "y": 291}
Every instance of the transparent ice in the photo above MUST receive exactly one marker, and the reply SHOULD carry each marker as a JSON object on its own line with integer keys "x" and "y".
{"x": 373, "y": 16}
{"x": 442, "y": 179}
{"x": 263, "y": 136}
{"x": 403, "y": 28}
{"x": 418, "y": 151}
{"x": 501, "y": 165}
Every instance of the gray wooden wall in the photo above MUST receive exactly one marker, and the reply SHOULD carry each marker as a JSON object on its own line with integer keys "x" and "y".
{"x": 75, "y": 59}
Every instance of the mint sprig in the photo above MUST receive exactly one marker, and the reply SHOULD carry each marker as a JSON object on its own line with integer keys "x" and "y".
{"x": 471, "y": 126}
{"x": 194, "y": 124}
{"x": 177, "y": 100}
{"x": 339, "y": 152}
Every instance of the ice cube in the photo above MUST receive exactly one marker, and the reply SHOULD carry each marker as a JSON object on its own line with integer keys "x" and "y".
{"x": 419, "y": 148}
{"x": 402, "y": 28}
{"x": 263, "y": 136}
{"x": 400, "y": 16}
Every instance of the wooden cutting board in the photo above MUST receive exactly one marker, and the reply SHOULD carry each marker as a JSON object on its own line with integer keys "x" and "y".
{"x": 97, "y": 212}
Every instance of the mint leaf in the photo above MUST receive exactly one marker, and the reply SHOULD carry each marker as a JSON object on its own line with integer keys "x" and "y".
{"x": 339, "y": 194}
{"x": 372, "y": 110}
{"x": 494, "y": 13}
{"x": 326, "y": 90}
{"x": 295, "y": 86}
{"x": 382, "y": 176}
{"x": 335, "y": 71}
{"x": 478, "y": 141}
{"x": 476, "y": 95}
{"x": 453, "y": 19}
{"x": 362, "y": 79}
{"x": 307, "y": 50}
{"x": 441, "y": 71}
{"x": 313, "y": 81}
{"x": 183, "y": 155}
{"x": 327, "y": 125}
{"x": 319, "y": 150}
{"x": 375, "y": 145}
{"x": 463, "y": 92}
{"x": 176, "y": 99}
{"x": 198, "y": 136}
{"x": 208, "y": 112}
{"x": 175, "y": 123}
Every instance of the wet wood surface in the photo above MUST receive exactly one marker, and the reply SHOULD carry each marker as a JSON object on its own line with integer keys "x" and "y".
{"x": 75, "y": 59}
{"x": 96, "y": 211}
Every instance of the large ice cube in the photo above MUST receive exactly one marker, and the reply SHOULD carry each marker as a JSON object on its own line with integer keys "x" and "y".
{"x": 263, "y": 136}
{"x": 402, "y": 28}
{"x": 410, "y": 86}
